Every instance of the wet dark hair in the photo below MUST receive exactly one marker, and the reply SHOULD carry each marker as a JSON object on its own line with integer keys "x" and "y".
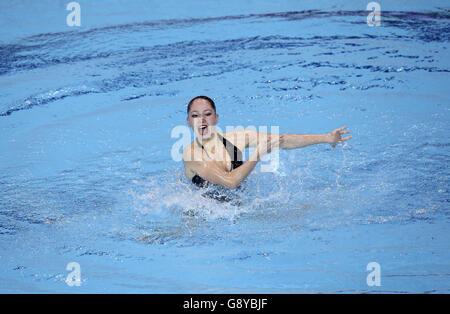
{"x": 211, "y": 102}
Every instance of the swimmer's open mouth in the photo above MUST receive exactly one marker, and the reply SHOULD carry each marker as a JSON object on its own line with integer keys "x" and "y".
{"x": 203, "y": 129}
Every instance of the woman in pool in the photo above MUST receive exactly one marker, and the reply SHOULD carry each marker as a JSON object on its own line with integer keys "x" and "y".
{"x": 216, "y": 158}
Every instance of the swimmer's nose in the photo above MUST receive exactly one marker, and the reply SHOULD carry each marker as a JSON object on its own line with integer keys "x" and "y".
{"x": 200, "y": 121}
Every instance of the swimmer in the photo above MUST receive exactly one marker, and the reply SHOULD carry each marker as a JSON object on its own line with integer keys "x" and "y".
{"x": 214, "y": 158}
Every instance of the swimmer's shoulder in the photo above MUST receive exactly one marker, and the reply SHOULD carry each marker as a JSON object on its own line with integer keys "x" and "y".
{"x": 240, "y": 138}
{"x": 190, "y": 151}
{"x": 188, "y": 156}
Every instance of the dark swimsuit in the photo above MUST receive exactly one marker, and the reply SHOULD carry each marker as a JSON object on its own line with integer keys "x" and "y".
{"x": 236, "y": 161}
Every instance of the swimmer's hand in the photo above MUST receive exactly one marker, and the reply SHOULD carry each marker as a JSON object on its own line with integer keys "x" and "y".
{"x": 335, "y": 137}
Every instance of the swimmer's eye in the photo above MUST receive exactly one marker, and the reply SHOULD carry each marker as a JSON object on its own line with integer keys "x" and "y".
{"x": 196, "y": 115}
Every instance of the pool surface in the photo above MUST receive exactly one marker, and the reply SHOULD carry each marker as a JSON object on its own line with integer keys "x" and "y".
{"x": 87, "y": 175}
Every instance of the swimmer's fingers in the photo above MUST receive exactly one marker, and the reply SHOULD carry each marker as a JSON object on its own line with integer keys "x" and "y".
{"x": 346, "y": 138}
{"x": 337, "y": 138}
{"x": 337, "y": 134}
{"x": 341, "y": 141}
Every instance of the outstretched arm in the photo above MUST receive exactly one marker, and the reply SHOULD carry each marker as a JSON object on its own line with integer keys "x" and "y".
{"x": 292, "y": 141}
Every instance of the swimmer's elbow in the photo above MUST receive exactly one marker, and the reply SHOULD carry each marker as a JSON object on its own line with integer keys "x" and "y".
{"x": 231, "y": 182}
{"x": 230, "y": 185}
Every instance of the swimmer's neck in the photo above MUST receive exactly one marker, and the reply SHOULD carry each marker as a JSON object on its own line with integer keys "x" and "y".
{"x": 209, "y": 142}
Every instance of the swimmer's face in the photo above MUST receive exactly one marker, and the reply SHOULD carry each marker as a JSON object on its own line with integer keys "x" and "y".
{"x": 202, "y": 118}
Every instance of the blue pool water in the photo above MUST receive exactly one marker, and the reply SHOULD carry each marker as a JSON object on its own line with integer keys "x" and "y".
{"x": 87, "y": 176}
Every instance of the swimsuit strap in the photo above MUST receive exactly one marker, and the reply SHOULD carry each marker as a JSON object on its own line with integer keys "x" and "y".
{"x": 234, "y": 153}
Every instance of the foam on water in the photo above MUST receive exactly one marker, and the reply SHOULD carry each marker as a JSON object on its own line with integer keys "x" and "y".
{"x": 162, "y": 196}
